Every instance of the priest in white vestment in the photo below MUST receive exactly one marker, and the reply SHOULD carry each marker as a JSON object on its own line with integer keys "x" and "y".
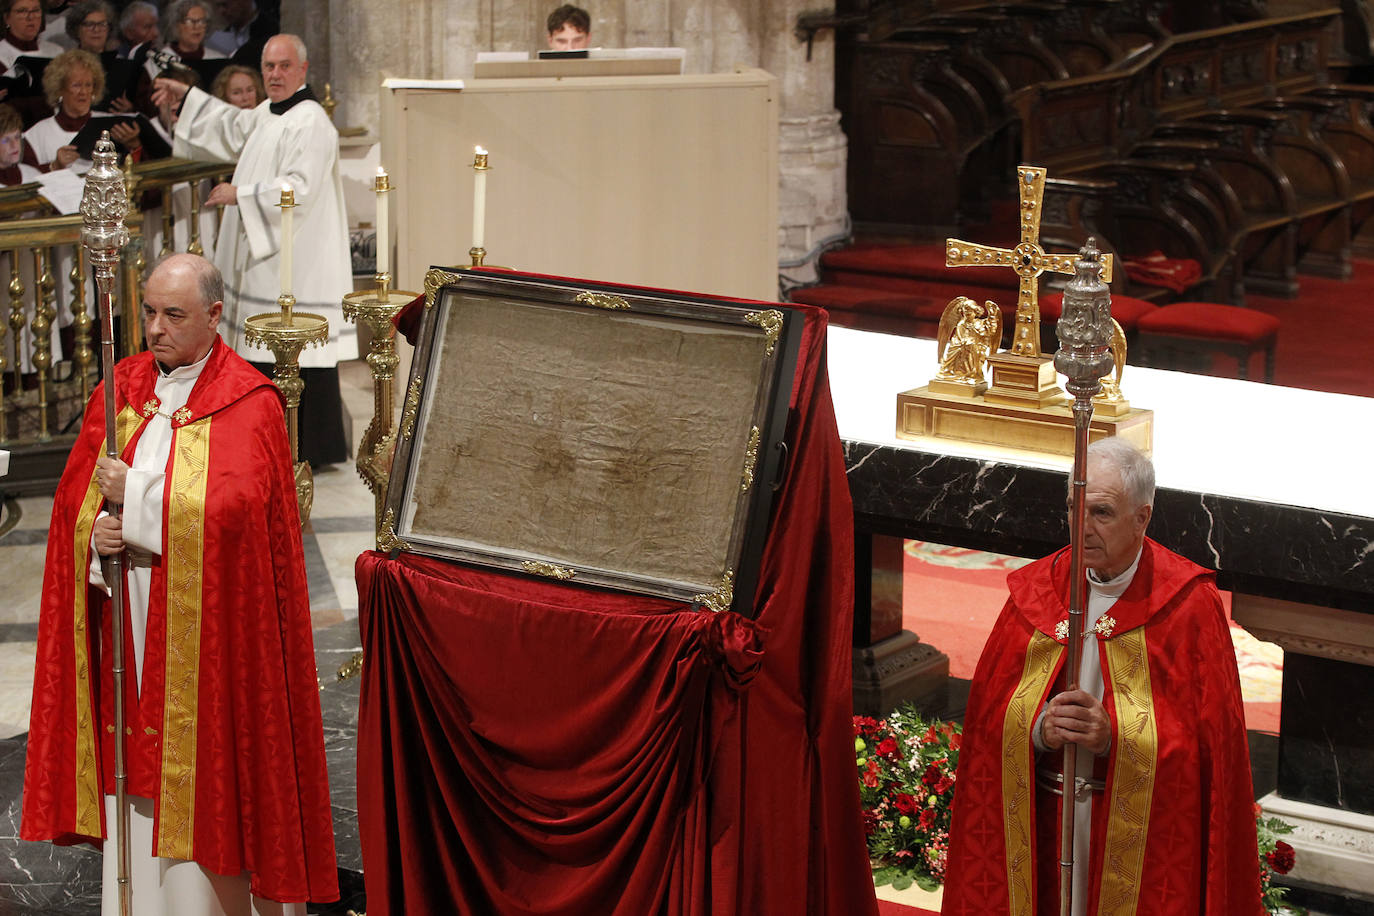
{"x": 287, "y": 140}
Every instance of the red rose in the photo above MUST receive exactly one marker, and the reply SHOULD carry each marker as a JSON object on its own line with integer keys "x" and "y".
{"x": 870, "y": 822}
{"x": 932, "y": 776}
{"x": 944, "y": 785}
{"x": 927, "y": 818}
{"x": 870, "y": 776}
{"x": 888, "y": 748}
{"x": 1282, "y": 858}
{"x": 906, "y": 803}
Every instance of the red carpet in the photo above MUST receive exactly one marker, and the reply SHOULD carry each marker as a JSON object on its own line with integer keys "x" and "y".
{"x": 1321, "y": 346}
{"x": 952, "y": 598}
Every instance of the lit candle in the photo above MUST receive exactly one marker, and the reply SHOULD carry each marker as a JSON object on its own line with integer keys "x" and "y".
{"x": 381, "y": 186}
{"x": 479, "y": 197}
{"x": 288, "y": 203}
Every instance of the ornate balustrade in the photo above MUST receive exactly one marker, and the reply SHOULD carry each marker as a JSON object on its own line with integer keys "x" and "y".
{"x": 48, "y": 354}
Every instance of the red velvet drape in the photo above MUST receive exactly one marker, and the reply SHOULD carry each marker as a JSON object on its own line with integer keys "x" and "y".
{"x": 535, "y": 748}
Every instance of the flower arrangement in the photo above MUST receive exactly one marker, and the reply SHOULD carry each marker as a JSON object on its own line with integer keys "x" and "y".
{"x": 906, "y": 768}
{"x": 1275, "y": 858}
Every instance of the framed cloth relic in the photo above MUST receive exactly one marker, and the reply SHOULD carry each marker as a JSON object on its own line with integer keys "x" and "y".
{"x": 611, "y": 436}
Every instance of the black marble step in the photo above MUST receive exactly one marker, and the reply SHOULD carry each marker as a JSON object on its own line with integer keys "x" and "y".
{"x": 37, "y": 879}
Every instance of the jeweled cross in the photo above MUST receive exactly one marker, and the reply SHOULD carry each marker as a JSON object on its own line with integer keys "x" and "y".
{"x": 1028, "y": 259}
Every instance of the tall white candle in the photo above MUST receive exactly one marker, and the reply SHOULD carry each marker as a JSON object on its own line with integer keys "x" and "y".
{"x": 479, "y": 197}
{"x": 381, "y": 186}
{"x": 288, "y": 203}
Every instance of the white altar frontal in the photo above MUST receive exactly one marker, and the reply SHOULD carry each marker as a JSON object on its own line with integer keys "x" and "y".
{"x": 1212, "y": 435}
{"x": 1267, "y": 485}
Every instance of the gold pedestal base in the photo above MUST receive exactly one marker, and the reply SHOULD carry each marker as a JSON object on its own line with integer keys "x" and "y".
{"x": 1023, "y": 381}
{"x": 1105, "y": 408}
{"x": 923, "y": 413}
{"x": 958, "y": 389}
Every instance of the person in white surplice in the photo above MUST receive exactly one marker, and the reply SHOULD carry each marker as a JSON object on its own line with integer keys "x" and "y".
{"x": 287, "y": 140}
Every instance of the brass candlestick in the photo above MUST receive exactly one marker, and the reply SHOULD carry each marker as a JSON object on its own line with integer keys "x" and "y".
{"x": 286, "y": 333}
{"x": 377, "y": 308}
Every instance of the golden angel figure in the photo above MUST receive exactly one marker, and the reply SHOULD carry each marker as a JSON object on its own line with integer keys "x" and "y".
{"x": 1111, "y": 386}
{"x": 968, "y": 334}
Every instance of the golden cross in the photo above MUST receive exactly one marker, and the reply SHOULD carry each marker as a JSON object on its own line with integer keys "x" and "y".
{"x": 1028, "y": 259}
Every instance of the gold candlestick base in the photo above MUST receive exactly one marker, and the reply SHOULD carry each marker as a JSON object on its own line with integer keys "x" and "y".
{"x": 377, "y": 308}
{"x": 478, "y": 255}
{"x": 286, "y": 333}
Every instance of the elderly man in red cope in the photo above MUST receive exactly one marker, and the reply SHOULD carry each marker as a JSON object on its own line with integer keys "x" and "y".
{"x": 1164, "y": 819}
{"x": 227, "y": 791}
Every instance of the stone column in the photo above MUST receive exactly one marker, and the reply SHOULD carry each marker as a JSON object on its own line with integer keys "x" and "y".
{"x": 811, "y": 147}
{"x": 354, "y": 46}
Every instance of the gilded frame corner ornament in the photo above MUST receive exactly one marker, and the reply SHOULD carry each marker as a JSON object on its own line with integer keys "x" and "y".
{"x": 751, "y": 459}
{"x": 386, "y": 534}
{"x": 548, "y": 570}
{"x": 434, "y": 279}
{"x": 602, "y": 301}
{"x": 771, "y": 321}
{"x": 724, "y": 595}
{"x": 412, "y": 407}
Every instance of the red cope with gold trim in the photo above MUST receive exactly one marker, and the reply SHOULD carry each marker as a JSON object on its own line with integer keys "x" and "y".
{"x": 1174, "y": 830}
{"x": 226, "y": 736}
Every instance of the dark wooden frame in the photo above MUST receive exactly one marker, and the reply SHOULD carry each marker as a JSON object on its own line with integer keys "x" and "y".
{"x": 740, "y": 341}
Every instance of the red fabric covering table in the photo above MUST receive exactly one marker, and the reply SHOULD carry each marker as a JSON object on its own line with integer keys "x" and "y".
{"x": 527, "y": 747}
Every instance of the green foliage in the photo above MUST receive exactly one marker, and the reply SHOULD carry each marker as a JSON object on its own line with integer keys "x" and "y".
{"x": 906, "y": 766}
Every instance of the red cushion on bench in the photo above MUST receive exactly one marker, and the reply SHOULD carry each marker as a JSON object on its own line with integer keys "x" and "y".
{"x": 926, "y": 261}
{"x": 1127, "y": 310}
{"x": 870, "y": 301}
{"x": 1211, "y": 320}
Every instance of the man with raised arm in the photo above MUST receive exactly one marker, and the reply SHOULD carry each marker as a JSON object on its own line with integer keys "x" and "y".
{"x": 287, "y": 140}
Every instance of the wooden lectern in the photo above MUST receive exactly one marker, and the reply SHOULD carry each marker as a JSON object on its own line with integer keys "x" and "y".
{"x": 664, "y": 181}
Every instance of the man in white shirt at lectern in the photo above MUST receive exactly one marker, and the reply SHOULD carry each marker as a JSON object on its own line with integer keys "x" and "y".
{"x": 570, "y": 28}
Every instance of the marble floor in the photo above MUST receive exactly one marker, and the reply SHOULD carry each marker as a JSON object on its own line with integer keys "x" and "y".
{"x": 36, "y": 878}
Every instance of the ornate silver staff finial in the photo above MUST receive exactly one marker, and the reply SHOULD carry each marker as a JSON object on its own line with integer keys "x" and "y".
{"x": 104, "y": 204}
{"x": 1085, "y": 327}
{"x": 1085, "y": 337}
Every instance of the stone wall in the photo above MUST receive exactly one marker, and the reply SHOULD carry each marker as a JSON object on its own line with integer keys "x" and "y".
{"x": 355, "y": 45}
